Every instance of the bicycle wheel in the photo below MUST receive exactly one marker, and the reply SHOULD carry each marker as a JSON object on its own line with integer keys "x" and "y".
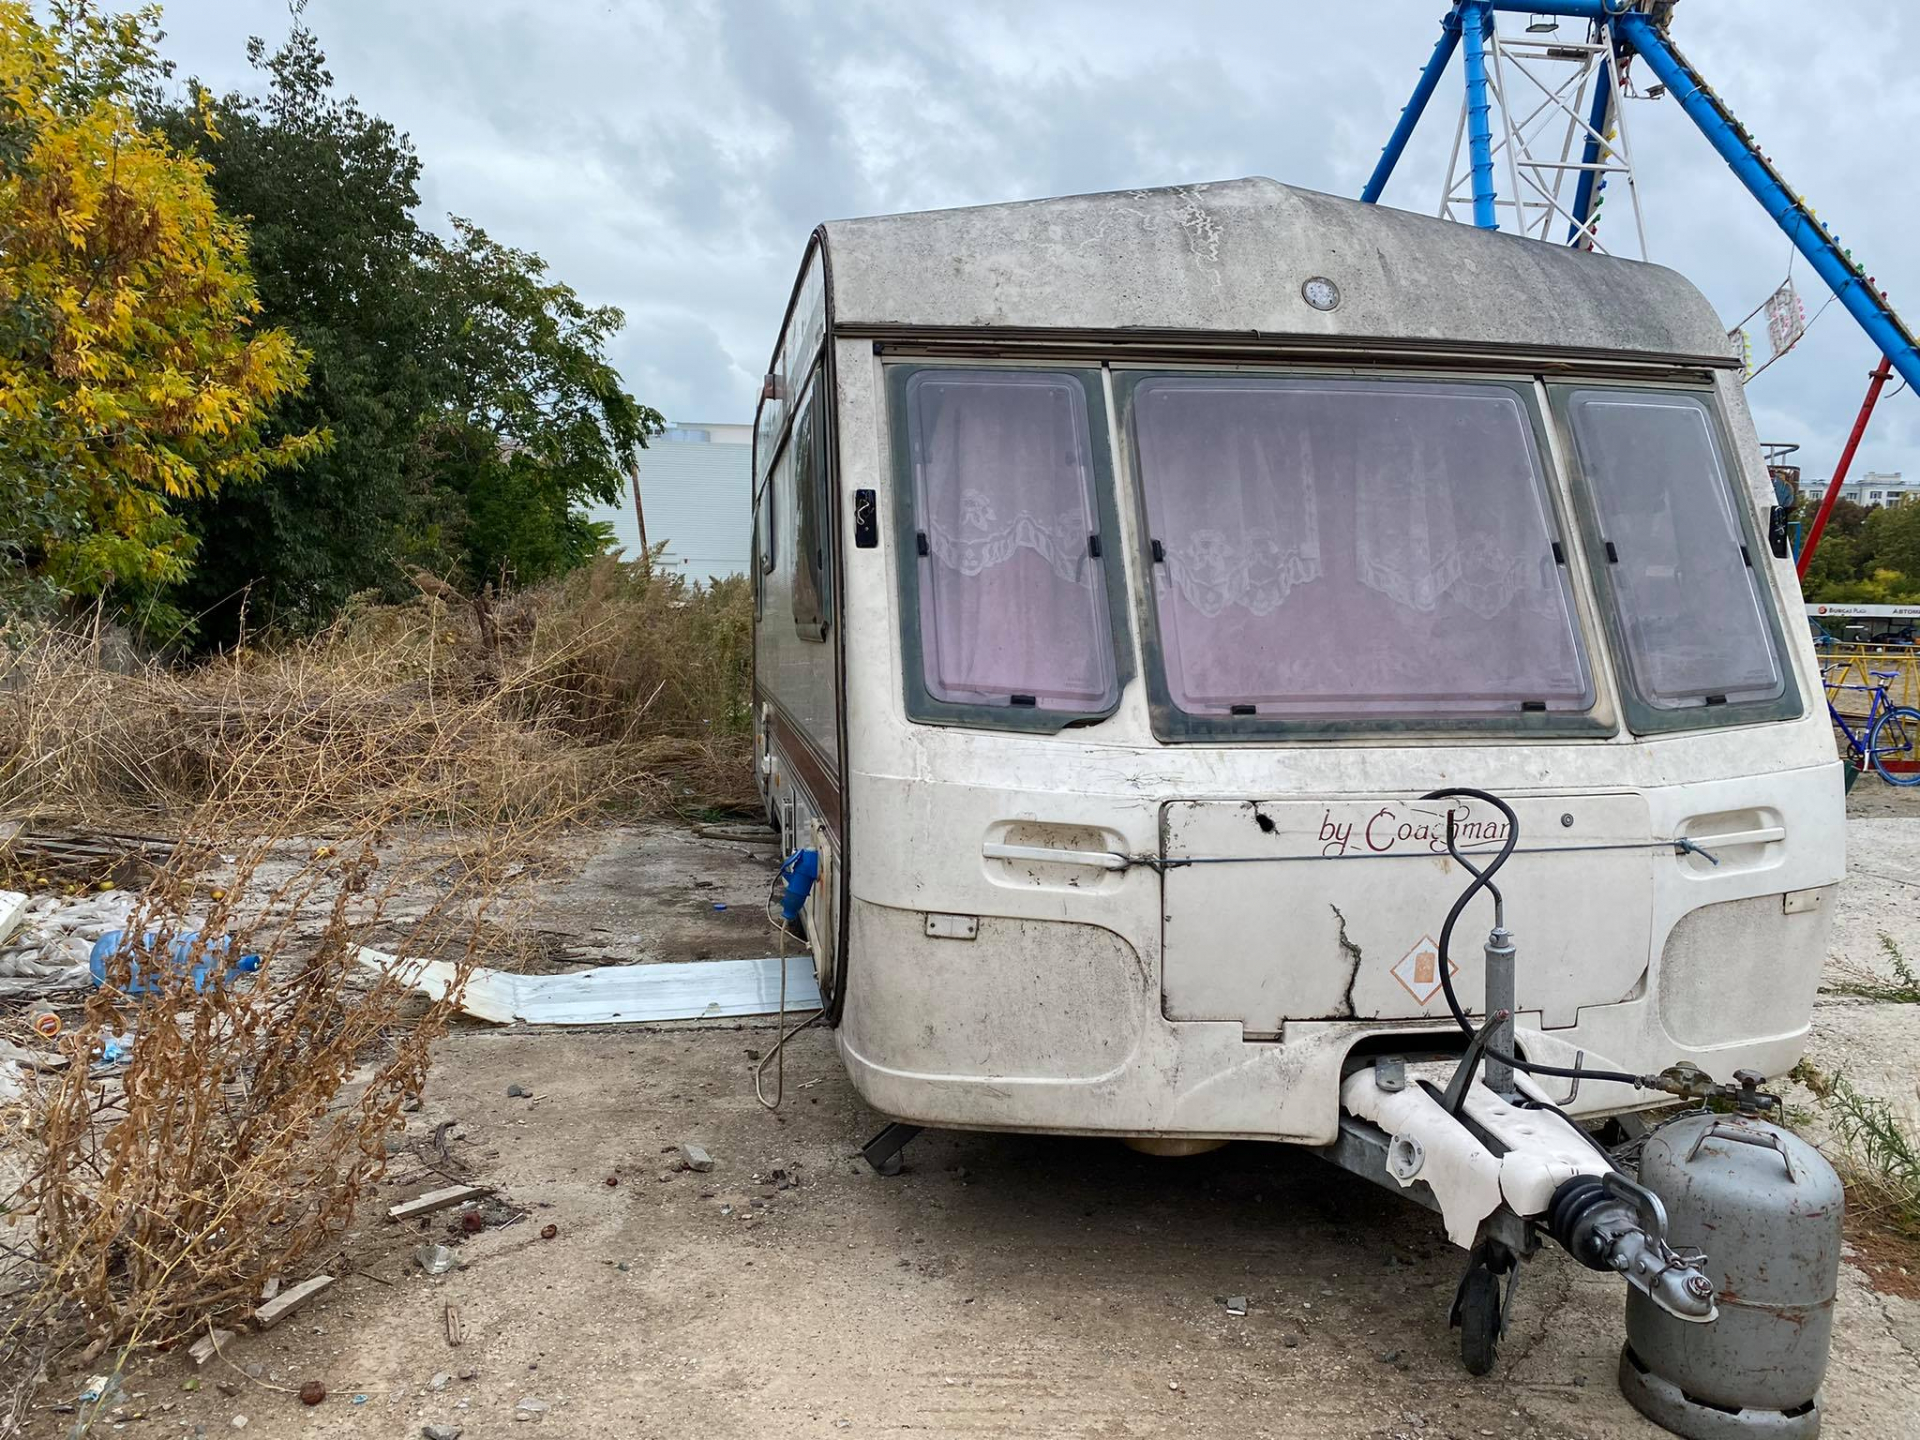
{"x": 1893, "y": 745}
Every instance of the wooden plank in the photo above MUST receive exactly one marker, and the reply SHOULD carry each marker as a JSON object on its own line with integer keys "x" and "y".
{"x": 285, "y": 1303}
{"x": 436, "y": 1200}
{"x": 208, "y": 1346}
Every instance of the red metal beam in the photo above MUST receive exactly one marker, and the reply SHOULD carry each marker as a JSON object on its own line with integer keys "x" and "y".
{"x": 1846, "y": 462}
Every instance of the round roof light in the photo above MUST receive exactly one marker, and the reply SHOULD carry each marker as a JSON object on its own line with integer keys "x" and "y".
{"x": 1320, "y": 292}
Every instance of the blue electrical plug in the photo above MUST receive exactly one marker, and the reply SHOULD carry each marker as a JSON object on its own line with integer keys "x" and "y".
{"x": 802, "y": 868}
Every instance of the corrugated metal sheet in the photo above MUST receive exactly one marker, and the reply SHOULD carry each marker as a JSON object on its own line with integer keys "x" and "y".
{"x": 699, "y": 499}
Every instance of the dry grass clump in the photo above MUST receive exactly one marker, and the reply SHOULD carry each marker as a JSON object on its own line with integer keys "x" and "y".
{"x": 253, "y": 1111}
{"x": 614, "y": 682}
{"x": 1878, "y": 1150}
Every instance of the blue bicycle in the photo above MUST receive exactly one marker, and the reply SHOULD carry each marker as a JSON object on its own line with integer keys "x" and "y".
{"x": 1888, "y": 739}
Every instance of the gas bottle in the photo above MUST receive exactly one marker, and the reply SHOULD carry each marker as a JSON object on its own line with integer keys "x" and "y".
{"x": 1766, "y": 1208}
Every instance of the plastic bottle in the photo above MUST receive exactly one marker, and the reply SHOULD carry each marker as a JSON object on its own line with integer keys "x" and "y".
{"x": 182, "y": 962}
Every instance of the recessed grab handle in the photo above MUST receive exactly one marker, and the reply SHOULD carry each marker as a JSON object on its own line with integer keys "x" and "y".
{"x": 1046, "y": 855}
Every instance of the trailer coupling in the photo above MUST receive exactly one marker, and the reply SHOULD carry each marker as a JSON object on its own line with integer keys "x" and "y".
{"x": 1502, "y": 1173}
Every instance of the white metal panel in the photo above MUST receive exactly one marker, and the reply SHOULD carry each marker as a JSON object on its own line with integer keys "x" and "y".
{"x": 1329, "y": 909}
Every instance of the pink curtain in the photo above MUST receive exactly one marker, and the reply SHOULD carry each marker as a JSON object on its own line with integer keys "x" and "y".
{"x": 1011, "y": 602}
{"x": 1353, "y": 547}
{"x": 1689, "y": 603}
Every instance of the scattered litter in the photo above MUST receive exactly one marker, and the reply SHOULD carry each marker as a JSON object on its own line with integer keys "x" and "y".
{"x": 547, "y": 1232}
{"x": 283, "y": 1305}
{"x": 436, "y": 1200}
{"x": 190, "y": 1384}
{"x": 454, "y": 1333}
{"x": 187, "y": 956}
{"x": 116, "y": 1047}
{"x": 239, "y": 1422}
{"x": 312, "y": 1393}
{"x": 270, "y": 1289}
{"x": 434, "y": 1259}
{"x": 45, "y": 1023}
{"x": 531, "y": 1408}
{"x": 358, "y": 1400}
{"x": 612, "y": 1180}
{"x": 472, "y": 1222}
{"x": 1236, "y": 1304}
{"x": 96, "y": 1387}
{"x": 207, "y": 1346}
{"x": 614, "y": 994}
{"x": 719, "y": 905}
{"x": 45, "y": 939}
{"x": 696, "y": 1159}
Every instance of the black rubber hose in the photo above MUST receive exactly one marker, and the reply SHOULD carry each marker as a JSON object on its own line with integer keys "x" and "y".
{"x": 1483, "y": 880}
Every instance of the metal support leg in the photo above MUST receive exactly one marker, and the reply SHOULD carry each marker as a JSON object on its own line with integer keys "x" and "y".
{"x": 1499, "y": 953}
{"x": 882, "y": 1152}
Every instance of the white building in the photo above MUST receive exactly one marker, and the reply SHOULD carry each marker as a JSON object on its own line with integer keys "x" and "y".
{"x": 1876, "y": 488}
{"x": 696, "y": 484}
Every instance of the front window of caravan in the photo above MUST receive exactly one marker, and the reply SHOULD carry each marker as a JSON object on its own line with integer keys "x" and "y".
{"x": 1679, "y": 574}
{"x": 1010, "y": 590}
{"x": 1327, "y": 549}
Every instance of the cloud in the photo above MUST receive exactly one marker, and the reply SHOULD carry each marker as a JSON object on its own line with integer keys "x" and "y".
{"x": 672, "y": 158}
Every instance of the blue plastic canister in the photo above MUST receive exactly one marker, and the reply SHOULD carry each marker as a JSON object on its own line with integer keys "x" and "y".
{"x": 181, "y": 962}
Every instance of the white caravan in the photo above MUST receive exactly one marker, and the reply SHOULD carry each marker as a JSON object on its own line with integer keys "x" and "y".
{"x": 1130, "y": 566}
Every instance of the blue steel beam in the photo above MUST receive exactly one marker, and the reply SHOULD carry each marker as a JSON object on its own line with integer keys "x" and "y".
{"x": 1585, "y": 192}
{"x": 1850, "y": 286}
{"x": 1475, "y": 19}
{"x": 1410, "y": 115}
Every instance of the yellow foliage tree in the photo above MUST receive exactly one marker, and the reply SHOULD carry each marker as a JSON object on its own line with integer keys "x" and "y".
{"x": 131, "y": 377}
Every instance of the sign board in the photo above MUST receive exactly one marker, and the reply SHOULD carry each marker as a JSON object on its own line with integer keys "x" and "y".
{"x": 1742, "y": 349}
{"x": 1786, "y": 318}
{"x": 1863, "y": 612}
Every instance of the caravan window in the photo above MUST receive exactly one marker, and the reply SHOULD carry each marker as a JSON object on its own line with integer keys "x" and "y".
{"x": 1330, "y": 549}
{"x": 1676, "y": 567}
{"x": 1011, "y": 590}
{"x": 807, "y": 464}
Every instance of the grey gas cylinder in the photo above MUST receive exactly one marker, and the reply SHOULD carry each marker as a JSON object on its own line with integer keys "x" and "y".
{"x": 1766, "y": 1208}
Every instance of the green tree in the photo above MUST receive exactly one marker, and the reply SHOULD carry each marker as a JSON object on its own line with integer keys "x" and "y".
{"x": 468, "y": 393}
{"x": 328, "y": 192}
{"x": 534, "y": 421}
{"x": 133, "y": 378}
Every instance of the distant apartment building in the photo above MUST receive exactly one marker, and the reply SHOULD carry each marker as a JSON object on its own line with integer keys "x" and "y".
{"x": 696, "y": 484}
{"x": 1875, "y": 489}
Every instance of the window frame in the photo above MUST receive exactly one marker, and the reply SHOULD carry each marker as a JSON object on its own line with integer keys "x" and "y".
{"x": 1173, "y": 725}
{"x": 922, "y": 706}
{"x": 810, "y": 492}
{"x": 1642, "y": 716}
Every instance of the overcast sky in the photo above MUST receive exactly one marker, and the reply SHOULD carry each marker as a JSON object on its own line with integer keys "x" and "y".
{"x": 672, "y": 158}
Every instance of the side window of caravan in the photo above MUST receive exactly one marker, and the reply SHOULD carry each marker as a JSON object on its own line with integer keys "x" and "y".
{"x": 1676, "y": 566}
{"x": 763, "y": 532}
{"x": 814, "y": 531}
{"x": 1011, "y": 593}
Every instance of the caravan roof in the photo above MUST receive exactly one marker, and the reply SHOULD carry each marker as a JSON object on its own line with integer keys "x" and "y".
{"x": 1229, "y": 259}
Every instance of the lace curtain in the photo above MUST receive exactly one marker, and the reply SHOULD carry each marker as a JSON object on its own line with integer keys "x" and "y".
{"x": 1011, "y": 601}
{"x": 1337, "y": 546}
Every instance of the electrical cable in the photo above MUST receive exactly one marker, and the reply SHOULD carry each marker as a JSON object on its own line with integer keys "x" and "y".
{"x": 779, "y": 1049}
{"x": 1483, "y": 880}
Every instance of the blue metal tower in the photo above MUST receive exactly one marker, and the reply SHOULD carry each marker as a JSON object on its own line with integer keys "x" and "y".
{"x": 1626, "y": 30}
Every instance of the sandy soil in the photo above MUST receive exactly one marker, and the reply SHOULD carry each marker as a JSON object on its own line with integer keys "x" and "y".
{"x": 1002, "y": 1285}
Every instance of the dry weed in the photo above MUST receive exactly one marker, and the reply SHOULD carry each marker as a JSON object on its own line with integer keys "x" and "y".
{"x": 614, "y": 682}
{"x": 389, "y": 782}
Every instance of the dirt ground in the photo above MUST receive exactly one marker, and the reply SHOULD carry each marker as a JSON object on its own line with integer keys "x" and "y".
{"x": 1003, "y": 1285}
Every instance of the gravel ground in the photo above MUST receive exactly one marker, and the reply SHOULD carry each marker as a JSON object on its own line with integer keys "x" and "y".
{"x": 1003, "y": 1285}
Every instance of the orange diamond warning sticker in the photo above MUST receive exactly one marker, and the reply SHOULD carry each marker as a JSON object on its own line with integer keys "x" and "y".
{"x": 1419, "y": 970}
